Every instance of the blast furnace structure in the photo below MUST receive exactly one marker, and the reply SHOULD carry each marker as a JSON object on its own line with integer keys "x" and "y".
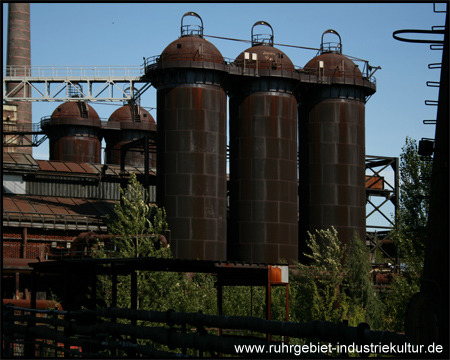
{"x": 263, "y": 154}
{"x": 332, "y": 145}
{"x": 275, "y": 196}
{"x": 191, "y": 143}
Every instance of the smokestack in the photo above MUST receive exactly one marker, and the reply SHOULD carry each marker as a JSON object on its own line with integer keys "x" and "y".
{"x": 19, "y": 64}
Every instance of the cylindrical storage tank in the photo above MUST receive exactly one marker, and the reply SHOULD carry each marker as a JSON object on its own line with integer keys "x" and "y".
{"x": 191, "y": 143}
{"x": 332, "y": 146}
{"x": 263, "y": 155}
{"x": 74, "y": 133}
{"x": 128, "y": 123}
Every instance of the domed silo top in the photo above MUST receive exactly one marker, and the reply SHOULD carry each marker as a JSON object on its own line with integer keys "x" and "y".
{"x": 75, "y": 113}
{"x": 191, "y": 46}
{"x": 262, "y": 54}
{"x": 331, "y": 62}
{"x": 132, "y": 116}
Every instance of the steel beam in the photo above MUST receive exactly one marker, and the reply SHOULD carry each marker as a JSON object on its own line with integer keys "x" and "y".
{"x": 52, "y": 83}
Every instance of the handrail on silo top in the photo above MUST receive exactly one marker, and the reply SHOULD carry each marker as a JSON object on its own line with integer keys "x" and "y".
{"x": 330, "y": 47}
{"x": 261, "y": 39}
{"x": 185, "y": 31}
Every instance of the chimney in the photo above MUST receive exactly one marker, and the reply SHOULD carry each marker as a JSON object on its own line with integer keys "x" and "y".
{"x": 19, "y": 64}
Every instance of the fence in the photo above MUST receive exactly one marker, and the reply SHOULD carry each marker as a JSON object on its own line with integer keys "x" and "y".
{"x": 112, "y": 332}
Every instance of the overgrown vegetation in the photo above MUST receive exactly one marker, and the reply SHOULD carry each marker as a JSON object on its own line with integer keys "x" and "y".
{"x": 333, "y": 289}
{"x": 336, "y": 285}
{"x": 410, "y": 235}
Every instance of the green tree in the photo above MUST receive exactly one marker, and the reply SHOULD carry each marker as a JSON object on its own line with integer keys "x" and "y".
{"x": 318, "y": 294}
{"x": 332, "y": 289}
{"x": 136, "y": 224}
{"x": 359, "y": 286}
{"x": 410, "y": 235}
{"x": 136, "y": 227}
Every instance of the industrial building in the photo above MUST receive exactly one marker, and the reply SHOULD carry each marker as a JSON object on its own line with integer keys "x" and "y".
{"x": 297, "y": 162}
{"x": 278, "y": 187}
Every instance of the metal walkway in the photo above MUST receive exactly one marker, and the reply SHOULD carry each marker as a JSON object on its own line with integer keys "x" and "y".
{"x": 93, "y": 83}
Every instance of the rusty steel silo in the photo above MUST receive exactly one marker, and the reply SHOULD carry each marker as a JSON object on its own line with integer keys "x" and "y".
{"x": 128, "y": 123}
{"x": 191, "y": 143}
{"x": 332, "y": 145}
{"x": 74, "y": 130}
{"x": 263, "y": 155}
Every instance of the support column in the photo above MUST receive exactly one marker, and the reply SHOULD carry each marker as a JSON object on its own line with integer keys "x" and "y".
{"x": 24, "y": 243}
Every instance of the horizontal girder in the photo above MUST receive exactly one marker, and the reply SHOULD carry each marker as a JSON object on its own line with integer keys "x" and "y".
{"x": 61, "y": 83}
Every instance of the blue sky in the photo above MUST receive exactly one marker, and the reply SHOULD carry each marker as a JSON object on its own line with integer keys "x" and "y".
{"x": 124, "y": 33}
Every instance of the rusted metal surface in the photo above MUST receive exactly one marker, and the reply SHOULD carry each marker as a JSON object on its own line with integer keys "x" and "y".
{"x": 264, "y": 57}
{"x": 332, "y": 168}
{"x": 74, "y": 133}
{"x": 191, "y": 168}
{"x": 334, "y": 65}
{"x": 19, "y": 161}
{"x": 40, "y": 304}
{"x": 55, "y": 212}
{"x": 332, "y": 152}
{"x": 76, "y": 148}
{"x": 263, "y": 166}
{"x": 278, "y": 274}
{"x": 188, "y": 48}
{"x": 191, "y": 46}
{"x": 375, "y": 182}
{"x": 134, "y": 123}
{"x": 191, "y": 150}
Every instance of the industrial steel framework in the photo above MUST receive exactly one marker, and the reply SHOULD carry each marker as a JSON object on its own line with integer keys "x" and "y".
{"x": 54, "y": 83}
{"x": 377, "y": 186}
{"x": 14, "y": 135}
{"x": 103, "y": 83}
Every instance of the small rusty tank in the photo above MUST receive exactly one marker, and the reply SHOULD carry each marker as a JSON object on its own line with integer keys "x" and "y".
{"x": 332, "y": 146}
{"x": 263, "y": 155}
{"x": 74, "y": 133}
{"x": 191, "y": 143}
{"x": 128, "y": 123}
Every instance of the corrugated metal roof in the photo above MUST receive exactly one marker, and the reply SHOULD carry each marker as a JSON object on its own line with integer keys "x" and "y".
{"x": 45, "y": 165}
{"x": 16, "y": 161}
{"x": 47, "y": 205}
{"x": 86, "y": 168}
{"x": 60, "y": 166}
{"x": 55, "y": 212}
{"x": 75, "y": 167}
{"x": 23, "y": 161}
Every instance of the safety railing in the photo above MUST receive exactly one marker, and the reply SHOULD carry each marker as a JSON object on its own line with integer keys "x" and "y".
{"x": 82, "y": 71}
{"x": 113, "y": 332}
{"x": 15, "y": 127}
